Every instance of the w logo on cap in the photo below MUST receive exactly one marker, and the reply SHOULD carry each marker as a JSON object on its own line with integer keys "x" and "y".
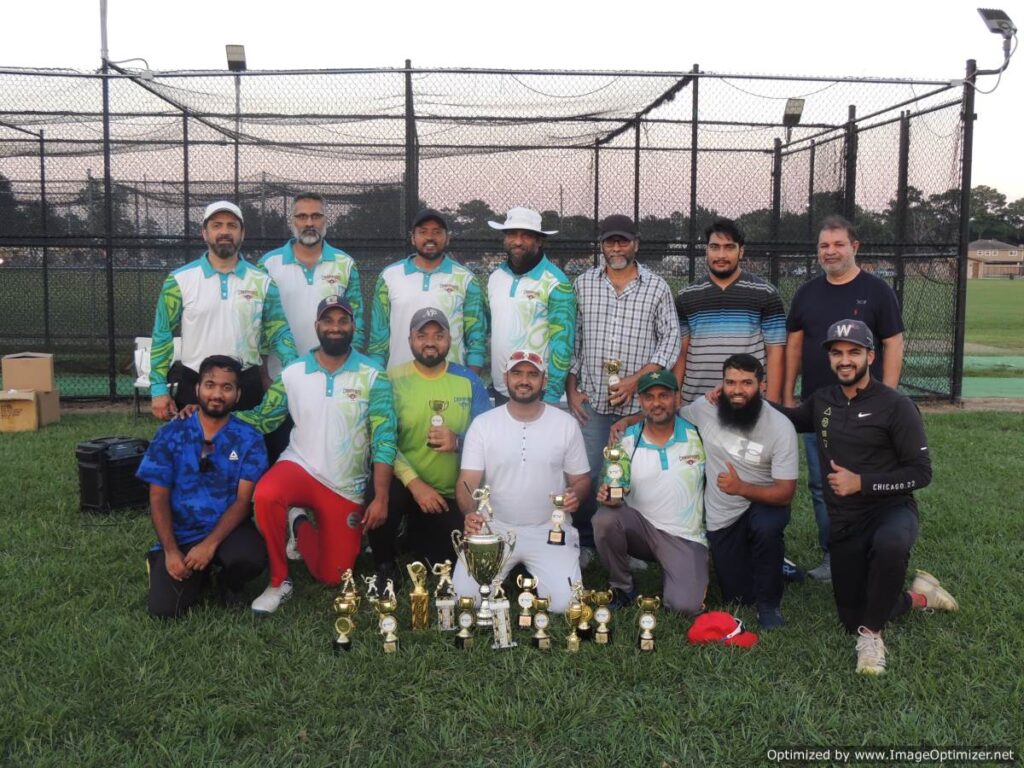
{"x": 842, "y": 330}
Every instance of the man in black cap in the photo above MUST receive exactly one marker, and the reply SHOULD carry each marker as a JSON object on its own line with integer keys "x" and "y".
{"x": 428, "y": 278}
{"x": 626, "y": 326}
{"x": 871, "y": 443}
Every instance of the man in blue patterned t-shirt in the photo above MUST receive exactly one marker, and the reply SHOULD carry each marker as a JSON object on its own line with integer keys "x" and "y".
{"x": 201, "y": 473}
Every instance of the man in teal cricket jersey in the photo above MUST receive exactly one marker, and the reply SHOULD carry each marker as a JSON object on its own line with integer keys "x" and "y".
{"x": 219, "y": 305}
{"x": 435, "y": 399}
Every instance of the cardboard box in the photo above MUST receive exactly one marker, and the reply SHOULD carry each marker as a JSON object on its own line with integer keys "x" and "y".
{"x": 28, "y": 370}
{"x": 25, "y": 410}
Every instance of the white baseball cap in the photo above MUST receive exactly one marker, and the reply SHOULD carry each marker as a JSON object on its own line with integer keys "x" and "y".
{"x": 222, "y": 205}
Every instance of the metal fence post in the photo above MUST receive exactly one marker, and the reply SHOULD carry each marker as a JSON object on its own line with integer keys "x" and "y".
{"x": 902, "y": 202}
{"x": 412, "y": 164}
{"x": 850, "y": 149}
{"x": 185, "y": 188}
{"x": 597, "y": 199}
{"x": 773, "y": 255}
{"x": 108, "y": 230}
{"x": 43, "y": 215}
{"x": 967, "y": 118}
{"x": 694, "y": 138}
{"x": 810, "y": 190}
{"x": 636, "y": 171}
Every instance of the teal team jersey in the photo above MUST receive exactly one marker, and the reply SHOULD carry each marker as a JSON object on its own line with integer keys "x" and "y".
{"x": 466, "y": 398}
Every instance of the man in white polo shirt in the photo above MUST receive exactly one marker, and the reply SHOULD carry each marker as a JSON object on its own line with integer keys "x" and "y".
{"x": 532, "y": 305}
{"x": 753, "y": 466}
{"x": 428, "y": 278}
{"x": 526, "y": 451}
{"x": 219, "y": 305}
{"x": 307, "y": 269}
{"x": 662, "y": 515}
{"x": 344, "y": 418}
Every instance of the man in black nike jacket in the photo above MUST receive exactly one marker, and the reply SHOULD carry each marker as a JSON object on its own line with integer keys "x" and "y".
{"x": 872, "y": 446}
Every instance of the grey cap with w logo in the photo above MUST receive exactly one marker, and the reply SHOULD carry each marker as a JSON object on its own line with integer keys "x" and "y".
{"x": 853, "y": 331}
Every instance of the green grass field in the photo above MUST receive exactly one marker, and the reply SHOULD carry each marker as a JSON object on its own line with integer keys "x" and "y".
{"x": 89, "y": 680}
{"x": 995, "y": 315}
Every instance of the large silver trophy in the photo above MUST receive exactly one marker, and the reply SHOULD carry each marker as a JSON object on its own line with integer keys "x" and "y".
{"x": 484, "y": 554}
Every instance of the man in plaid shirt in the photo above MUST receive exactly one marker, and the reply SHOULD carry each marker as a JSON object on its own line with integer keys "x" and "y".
{"x": 626, "y": 314}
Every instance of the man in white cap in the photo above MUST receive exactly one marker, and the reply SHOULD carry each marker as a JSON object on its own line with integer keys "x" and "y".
{"x": 532, "y": 305}
{"x": 525, "y": 451}
{"x": 219, "y": 305}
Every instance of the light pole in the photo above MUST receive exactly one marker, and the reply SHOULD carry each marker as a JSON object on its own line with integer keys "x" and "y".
{"x": 236, "y": 64}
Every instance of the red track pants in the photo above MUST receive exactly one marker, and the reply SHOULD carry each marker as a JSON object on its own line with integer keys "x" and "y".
{"x": 328, "y": 548}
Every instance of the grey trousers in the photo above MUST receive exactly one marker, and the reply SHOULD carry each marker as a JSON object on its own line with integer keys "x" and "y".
{"x": 622, "y": 532}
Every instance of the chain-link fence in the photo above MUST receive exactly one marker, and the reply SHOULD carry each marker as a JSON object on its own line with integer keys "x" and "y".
{"x": 103, "y": 179}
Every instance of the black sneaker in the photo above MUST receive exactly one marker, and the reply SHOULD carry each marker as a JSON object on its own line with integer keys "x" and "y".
{"x": 791, "y": 571}
{"x": 769, "y": 617}
{"x": 622, "y": 599}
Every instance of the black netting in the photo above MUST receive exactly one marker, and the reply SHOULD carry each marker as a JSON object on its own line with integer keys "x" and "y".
{"x": 378, "y": 144}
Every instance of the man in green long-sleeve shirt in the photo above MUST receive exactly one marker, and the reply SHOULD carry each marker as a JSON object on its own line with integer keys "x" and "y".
{"x": 219, "y": 305}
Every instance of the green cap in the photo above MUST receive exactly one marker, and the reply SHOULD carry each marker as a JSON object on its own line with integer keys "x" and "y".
{"x": 659, "y": 378}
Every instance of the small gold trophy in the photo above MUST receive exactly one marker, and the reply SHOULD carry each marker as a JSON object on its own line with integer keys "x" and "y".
{"x": 612, "y": 368}
{"x": 467, "y": 615}
{"x": 419, "y": 598}
{"x": 348, "y": 588}
{"x": 502, "y": 619}
{"x": 526, "y": 600}
{"x": 343, "y": 625}
{"x": 541, "y": 640}
{"x": 556, "y": 535}
{"x": 648, "y": 607}
{"x": 444, "y": 596}
{"x": 572, "y": 616}
{"x": 585, "y": 630}
{"x": 616, "y": 472}
{"x": 603, "y": 616}
{"x": 437, "y": 407}
{"x": 386, "y": 606}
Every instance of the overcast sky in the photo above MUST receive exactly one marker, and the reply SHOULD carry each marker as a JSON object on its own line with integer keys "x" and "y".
{"x": 929, "y": 40}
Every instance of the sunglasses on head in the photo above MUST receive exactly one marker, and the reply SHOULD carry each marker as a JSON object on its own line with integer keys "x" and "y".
{"x": 522, "y": 355}
{"x": 205, "y": 462}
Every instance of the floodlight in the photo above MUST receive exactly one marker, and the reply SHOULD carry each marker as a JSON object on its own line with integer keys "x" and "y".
{"x": 997, "y": 21}
{"x": 236, "y": 57}
{"x": 791, "y": 115}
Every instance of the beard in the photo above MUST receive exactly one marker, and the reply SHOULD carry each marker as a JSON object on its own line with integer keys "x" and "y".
{"x": 225, "y": 249}
{"x": 520, "y": 264}
{"x": 724, "y": 273}
{"x": 858, "y": 375}
{"x": 308, "y": 236}
{"x": 431, "y": 360}
{"x": 742, "y": 417}
{"x": 215, "y": 410}
{"x": 523, "y": 398}
{"x": 335, "y": 346}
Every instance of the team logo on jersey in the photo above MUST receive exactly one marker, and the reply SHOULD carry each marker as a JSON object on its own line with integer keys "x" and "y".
{"x": 690, "y": 458}
{"x": 462, "y": 401}
{"x": 331, "y": 279}
{"x": 531, "y": 295}
{"x": 247, "y": 293}
{"x": 233, "y": 456}
{"x": 354, "y": 520}
{"x": 449, "y": 287}
{"x": 352, "y": 394}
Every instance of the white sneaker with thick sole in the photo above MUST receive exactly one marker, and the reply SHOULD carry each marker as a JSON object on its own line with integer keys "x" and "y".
{"x": 870, "y": 653}
{"x": 272, "y": 598}
{"x": 938, "y": 598}
{"x": 291, "y": 549}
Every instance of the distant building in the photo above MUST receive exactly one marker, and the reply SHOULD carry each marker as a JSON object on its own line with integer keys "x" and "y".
{"x": 992, "y": 258}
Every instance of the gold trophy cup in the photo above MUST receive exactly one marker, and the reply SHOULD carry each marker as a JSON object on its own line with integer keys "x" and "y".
{"x": 612, "y": 368}
{"x": 437, "y": 407}
{"x": 556, "y": 535}
{"x": 526, "y": 600}
{"x": 344, "y": 625}
{"x": 464, "y": 637}
{"x": 484, "y": 554}
{"x": 603, "y": 616}
{"x": 616, "y": 472}
{"x": 419, "y": 598}
{"x": 572, "y": 616}
{"x": 541, "y": 640}
{"x": 444, "y": 596}
{"x": 648, "y": 607}
{"x": 585, "y": 630}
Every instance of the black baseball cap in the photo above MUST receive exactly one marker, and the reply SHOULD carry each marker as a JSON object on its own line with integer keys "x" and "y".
{"x": 428, "y": 315}
{"x": 618, "y": 225}
{"x": 429, "y": 213}
{"x": 334, "y": 301}
{"x": 853, "y": 331}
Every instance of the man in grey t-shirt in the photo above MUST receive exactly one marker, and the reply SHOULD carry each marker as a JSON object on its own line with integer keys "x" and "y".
{"x": 752, "y": 468}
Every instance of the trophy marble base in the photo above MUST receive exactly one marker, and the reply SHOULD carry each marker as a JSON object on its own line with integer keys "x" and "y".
{"x": 603, "y": 638}
{"x": 616, "y": 494}
{"x": 541, "y": 643}
{"x": 646, "y": 644}
{"x": 526, "y": 622}
{"x": 463, "y": 643}
{"x": 557, "y": 538}
{"x": 585, "y": 633}
{"x": 390, "y": 646}
{"x": 341, "y": 646}
{"x": 572, "y": 644}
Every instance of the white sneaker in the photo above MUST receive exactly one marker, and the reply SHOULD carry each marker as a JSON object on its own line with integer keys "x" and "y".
{"x": 272, "y": 598}
{"x": 870, "y": 653}
{"x": 587, "y": 554}
{"x": 636, "y": 564}
{"x": 938, "y": 598}
{"x": 291, "y": 549}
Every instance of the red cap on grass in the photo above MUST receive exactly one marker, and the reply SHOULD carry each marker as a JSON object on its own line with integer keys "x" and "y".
{"x": 720, "y": 627}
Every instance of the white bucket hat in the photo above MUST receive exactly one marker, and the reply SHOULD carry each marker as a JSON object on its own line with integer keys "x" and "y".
{"x": 522, "y": 218}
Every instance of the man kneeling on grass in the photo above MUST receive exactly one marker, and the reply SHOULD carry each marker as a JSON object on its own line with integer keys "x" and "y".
{"x": 872, "y": 443}
{"x": 201, "y": 472}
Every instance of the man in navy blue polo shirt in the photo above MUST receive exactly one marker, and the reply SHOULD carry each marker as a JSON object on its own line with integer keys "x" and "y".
{"x": 201, "y": 473}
